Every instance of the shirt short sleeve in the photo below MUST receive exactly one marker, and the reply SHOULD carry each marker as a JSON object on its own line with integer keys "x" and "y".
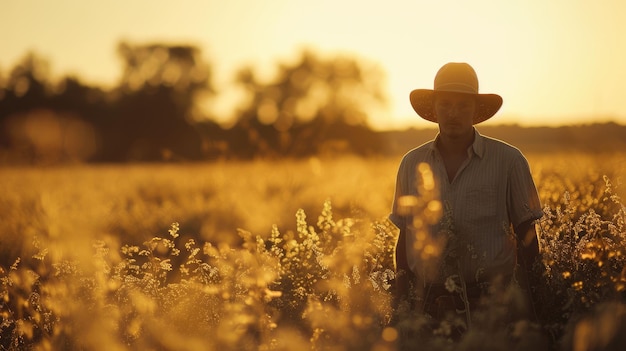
{"x": 523, "y": 198}
{"x": 401, "y": 185}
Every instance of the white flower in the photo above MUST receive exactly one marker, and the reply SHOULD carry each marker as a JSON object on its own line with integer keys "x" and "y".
{"x": 450, "y": 284}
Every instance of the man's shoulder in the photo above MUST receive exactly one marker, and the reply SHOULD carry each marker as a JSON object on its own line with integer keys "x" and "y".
{"x": 413, "y": 157}
{"x": 420, "y": 151}
{"x": 502, "y": 147}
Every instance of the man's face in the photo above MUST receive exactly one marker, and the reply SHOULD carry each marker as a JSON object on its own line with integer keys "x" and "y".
{"x": 454, "y": 112}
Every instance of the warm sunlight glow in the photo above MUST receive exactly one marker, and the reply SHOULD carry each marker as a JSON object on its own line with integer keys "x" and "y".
{"x": 556, "y": 62}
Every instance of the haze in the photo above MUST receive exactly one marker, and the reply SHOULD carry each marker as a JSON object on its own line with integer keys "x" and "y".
{"x": 556, "y": 62}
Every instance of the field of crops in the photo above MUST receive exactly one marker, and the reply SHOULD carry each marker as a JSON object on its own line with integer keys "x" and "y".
{"x": 280, "y": 255}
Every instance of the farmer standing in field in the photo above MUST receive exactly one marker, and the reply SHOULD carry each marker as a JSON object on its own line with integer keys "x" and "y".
{"x": 479, "y": 225}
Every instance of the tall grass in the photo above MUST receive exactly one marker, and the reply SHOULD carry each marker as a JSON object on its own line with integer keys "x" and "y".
{"x": 283, "y": 256}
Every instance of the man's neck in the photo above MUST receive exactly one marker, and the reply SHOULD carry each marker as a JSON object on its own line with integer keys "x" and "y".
{"x": 458, "y": 145}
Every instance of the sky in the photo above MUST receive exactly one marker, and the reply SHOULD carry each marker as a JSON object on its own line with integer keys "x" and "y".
{"x": 553, "y": 62}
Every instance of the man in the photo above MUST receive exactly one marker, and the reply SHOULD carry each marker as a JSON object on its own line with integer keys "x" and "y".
{"x": 487, "y": 200}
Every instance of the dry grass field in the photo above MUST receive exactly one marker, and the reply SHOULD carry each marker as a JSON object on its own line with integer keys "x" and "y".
{"x": 279, "y": 255}
{"x": 136, "y": 202}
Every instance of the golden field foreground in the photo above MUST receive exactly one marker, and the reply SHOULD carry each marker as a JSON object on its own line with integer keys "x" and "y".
{"x": 282, "y": 255}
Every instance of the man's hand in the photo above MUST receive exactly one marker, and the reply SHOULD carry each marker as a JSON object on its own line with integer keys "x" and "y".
{"x": 529, "y": 259}
{"x": 406, "y": 289}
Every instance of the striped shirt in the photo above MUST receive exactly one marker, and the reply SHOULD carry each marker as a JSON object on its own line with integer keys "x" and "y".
{"x": 492, "y": 192}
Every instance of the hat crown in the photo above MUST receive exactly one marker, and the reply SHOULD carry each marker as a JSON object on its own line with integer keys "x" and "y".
{"x": 456, "y": 77}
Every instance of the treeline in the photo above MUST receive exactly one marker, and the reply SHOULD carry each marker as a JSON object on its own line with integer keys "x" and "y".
{"x": 595, "y": 138}
{"x": 310, "y": 106}
{"x": 160, "y": 110}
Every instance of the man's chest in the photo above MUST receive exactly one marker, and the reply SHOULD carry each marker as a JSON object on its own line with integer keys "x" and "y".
{"x": 452, "y": 166}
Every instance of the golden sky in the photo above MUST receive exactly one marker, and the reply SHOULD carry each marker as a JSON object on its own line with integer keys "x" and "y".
{"x": 554, "y": 62}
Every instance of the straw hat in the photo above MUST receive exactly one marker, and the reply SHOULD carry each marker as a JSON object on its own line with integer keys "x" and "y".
{"x": 459, "y": 78}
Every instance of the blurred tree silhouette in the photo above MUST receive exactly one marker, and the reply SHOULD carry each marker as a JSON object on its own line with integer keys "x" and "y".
{"x": 38, "y": 122}
{"x": 149, "y": 116}
{"x": 313, "y": 105}
{"x": 178, "y": 68}
{"x": 29, "y": 78}
{"x": 156, "y": 104}
{"x": 310, "y": 106}
{"x": 26, "y": 86}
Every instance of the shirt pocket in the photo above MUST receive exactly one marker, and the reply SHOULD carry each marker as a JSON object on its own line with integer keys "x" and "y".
{"x": 480, "y": 204}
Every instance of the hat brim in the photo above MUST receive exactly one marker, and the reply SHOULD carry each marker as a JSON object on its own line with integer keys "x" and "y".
{"x": 422, "y": 101}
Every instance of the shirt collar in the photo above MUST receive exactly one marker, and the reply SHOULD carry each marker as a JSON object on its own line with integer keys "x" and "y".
{"x": 478, "y": 146}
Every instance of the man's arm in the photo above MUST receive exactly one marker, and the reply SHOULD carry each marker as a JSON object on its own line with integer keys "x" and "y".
{"x": 528, "y": 244}
{"x": 405, "y": 279}
{"x": 528, "y": 257}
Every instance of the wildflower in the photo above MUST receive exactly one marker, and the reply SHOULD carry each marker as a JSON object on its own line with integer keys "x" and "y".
{"x": 346, "y": 281}
{"x": 166, "y": 265}
{"x": 356, "y": 276}
{"x": 566, "y": 274}
{"x": 174, "y": 228}
{"x": 451, "y": 284}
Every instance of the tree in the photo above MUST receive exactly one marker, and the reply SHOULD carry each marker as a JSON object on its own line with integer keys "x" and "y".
{"x": 294, "y": 111}
{"x": 179, "y": 69}
{"x": 335, "y": 89}
{"x": 26, "y": 88}
{"x": 27, "y": 85}
{"x": 157, "y": 103}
